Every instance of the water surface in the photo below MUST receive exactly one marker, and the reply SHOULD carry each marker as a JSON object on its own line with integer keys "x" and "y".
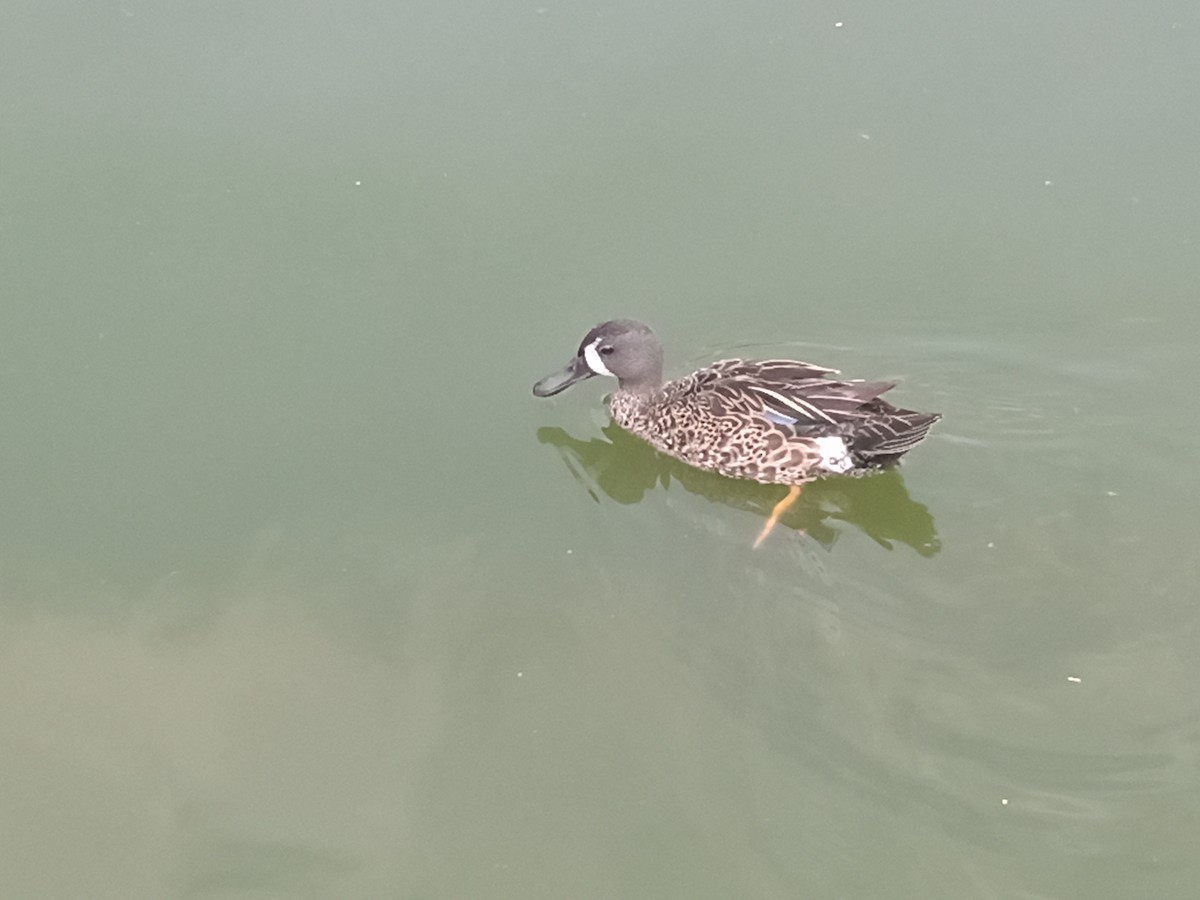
{"x": 302, "y": 594}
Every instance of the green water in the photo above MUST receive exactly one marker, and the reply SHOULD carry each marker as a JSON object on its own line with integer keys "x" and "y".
{"x": 303, "y": 594}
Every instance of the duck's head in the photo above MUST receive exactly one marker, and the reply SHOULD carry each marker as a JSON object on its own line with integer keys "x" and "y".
{"x": 623, "y": 348}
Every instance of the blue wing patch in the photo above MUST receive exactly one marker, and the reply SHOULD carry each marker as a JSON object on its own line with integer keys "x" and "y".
{"x": 777, "y": 417}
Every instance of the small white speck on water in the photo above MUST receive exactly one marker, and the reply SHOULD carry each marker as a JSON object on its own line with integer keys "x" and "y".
{"x": 520, "y": 674}
{"x": 865, "y": 137}
{"x": 569, "y": 552}
{"x": 1074, "y": 679}
{"x": 1047, "y": 184}
{"x": 1110, "y": 493}
{"x": 358, "y": 184}
{"x": 991, "y": 545}
{"x": 838, "y": 24}
{"x": 1004, "y": 801}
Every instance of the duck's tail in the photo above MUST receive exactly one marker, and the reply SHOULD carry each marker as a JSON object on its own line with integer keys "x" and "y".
{"x": 884, "y": 439}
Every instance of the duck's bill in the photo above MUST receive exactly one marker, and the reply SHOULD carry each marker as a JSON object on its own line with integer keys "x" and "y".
{"x": 576, "y": 370}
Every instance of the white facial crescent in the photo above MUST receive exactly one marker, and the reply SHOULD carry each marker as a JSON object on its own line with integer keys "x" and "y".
{"x": 592, "y": 357}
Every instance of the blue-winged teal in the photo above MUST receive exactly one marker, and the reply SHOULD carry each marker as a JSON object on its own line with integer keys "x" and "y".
{"x": 776, "y": 421}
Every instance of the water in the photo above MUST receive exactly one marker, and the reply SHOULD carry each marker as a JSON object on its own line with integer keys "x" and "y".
{"x": 302, "y": 594}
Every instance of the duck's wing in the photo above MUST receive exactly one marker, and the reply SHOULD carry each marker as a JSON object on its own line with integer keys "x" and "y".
{"x": 779, "y": 370}
{"x": 816, "y": 402}
{"x": 788, "y": 392}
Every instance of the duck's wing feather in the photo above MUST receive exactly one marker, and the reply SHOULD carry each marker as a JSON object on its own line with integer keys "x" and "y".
{"x": 788, "y": 392}
{"x": 783, "y": 370}
{"x": 817, "y": 402}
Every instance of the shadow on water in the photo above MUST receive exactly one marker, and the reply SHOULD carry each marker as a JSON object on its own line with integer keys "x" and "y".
{"x": 625, "y": 468}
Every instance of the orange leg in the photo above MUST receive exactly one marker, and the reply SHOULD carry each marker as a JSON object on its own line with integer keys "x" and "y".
{"x": 778, "y": 510}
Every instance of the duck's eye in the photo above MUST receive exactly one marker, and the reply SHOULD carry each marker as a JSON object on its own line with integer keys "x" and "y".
{"x": 606, "y": 351}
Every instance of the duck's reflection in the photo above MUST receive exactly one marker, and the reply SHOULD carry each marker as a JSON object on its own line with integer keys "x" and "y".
{"x": 625, "y": 467}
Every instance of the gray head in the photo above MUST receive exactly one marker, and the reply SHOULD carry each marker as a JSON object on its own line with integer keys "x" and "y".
{"x": 624, "y": 348}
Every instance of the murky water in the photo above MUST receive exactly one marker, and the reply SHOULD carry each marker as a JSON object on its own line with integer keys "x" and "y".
{"x": 302, "y": 594}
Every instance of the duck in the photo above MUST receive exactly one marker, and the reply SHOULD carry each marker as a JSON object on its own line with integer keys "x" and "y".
{"x": 773, "y": 421}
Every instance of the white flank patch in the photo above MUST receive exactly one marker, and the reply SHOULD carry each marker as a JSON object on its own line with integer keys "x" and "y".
{"x": 592, "y": 356}
{"x": 834, "y": 457}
